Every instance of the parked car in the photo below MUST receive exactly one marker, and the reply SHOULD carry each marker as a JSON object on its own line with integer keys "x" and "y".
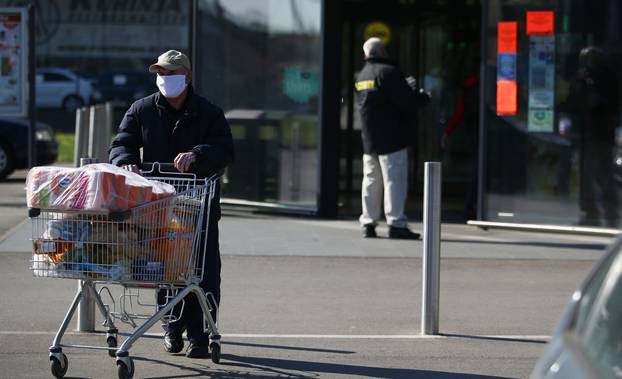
{"x": 588, "y": 340}
{"x": 125, "y": 86}
{"x": 62, "y": 88}
{"x": 14, "y": 145}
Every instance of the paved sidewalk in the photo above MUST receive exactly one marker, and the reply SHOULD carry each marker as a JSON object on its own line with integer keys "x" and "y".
{"x": 311, "y": 298}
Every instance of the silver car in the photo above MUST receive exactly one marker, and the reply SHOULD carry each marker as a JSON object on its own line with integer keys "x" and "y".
{"x": 64, "y": 89}
{"x": 588, "y": 340}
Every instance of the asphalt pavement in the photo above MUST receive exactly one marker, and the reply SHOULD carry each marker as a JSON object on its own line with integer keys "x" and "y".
{"x": 308, "y": 298}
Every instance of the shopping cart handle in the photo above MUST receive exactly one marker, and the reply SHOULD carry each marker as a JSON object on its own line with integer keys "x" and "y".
{"x": 158, "y": 167}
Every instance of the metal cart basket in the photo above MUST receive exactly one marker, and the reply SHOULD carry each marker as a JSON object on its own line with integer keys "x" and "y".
{"x": 159, "y": 245}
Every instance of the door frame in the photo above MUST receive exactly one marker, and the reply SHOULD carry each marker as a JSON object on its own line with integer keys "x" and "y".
{"x": 334, "y": 16}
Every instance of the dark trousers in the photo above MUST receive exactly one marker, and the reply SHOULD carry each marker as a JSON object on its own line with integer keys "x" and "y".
{"x": 470, "y": 201}
{"x": 191, "y": 319}
{"x": 599, "y": 196}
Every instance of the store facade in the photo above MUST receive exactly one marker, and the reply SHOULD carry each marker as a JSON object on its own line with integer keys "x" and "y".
{"x": 529, "y": 89}
{"x": 539, "y": 140}
{"x": 552, "y": 153}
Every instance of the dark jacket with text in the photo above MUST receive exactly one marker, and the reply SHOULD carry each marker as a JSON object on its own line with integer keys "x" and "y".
{"x": 388, "y": 107}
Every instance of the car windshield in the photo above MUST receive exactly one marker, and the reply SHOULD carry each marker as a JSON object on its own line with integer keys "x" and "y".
{"x": 591, "y": 291}
{"x": 602, "y": 333}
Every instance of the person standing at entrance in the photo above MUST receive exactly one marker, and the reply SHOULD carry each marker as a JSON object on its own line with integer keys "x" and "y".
{"x": 467, "y": 115}
{"x": 595, "y": 98}
{"x": 177, "y": 125}
{"x": 388, "y": 103}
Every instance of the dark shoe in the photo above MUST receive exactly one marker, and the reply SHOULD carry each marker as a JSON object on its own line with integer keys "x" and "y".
{"x": 402, "y": 234}
{"x": 173, "y": 343}
{"x": 369, "y": 231}
{"x": 197, "y": 350}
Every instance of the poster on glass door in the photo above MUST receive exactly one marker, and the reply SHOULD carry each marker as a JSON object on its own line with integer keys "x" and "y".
{"x": 541, "y": 84}
{"x": 13, "y": 64}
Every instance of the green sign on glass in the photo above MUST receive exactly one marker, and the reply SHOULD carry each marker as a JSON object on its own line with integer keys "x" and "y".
{"x": 300, "y": 85}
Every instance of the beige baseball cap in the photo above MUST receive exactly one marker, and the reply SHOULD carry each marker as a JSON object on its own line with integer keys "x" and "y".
{"x": 171, "y": 60}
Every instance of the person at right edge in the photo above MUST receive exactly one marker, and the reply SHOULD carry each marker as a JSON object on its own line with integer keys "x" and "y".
{"x": 594, "y": 97}
{"x": 388, "y": 105}
{"x": 177, "y": 125}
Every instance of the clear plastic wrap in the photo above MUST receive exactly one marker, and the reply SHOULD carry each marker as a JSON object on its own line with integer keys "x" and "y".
{"x": 94, "y": 187}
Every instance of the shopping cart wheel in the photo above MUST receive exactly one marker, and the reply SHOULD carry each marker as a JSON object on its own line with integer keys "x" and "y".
{"x": 123, "y": 370}
{"x": 59, "y": 369}
{"x": 215, "y": 352}
{"x": 112, "y": 342}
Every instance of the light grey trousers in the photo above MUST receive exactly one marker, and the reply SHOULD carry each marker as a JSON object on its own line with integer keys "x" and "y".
{"x": 385, "y": 176}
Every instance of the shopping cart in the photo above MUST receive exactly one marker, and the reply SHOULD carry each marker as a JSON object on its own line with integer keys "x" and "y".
{"x": 160, "y": 246}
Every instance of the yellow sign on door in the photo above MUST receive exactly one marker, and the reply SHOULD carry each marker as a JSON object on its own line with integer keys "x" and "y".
{"x": 380, "y": 30}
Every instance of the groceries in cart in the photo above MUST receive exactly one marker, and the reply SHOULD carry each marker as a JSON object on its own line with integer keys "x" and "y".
{"x": 69, "y": 247}
{"x": 174, "y": 249}
{"x": 95, "y": 187}
{"x": 90, "y": 225}
{"x": 76, "y": 239}
{"x": 75, "y": 247}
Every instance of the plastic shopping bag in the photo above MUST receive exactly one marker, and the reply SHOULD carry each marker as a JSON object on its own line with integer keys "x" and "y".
{"x": 94, "y": 187}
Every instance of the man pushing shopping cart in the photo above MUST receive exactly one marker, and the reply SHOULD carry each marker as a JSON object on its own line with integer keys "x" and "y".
{"x": 177, "y": 125}
{"x": 151, "y": 226}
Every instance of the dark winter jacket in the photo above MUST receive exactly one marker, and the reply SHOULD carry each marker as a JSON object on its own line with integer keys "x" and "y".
{"x": 388, "y": 107}
{"x": 151, "y": 124}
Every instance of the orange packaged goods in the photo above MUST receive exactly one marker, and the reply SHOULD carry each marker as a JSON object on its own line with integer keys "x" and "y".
{"x": 173, "y": 247}
{"x": 53, "y": 249}
{"x": 95, "y": 187}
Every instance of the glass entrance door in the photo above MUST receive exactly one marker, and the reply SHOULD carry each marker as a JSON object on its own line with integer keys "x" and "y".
{"x": 438, "y": 45}
{"x": 400, "y": 38}
{"x": 448, "y": 61}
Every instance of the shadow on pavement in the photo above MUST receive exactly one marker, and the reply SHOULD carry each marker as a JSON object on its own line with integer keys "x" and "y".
{"x": 199, "y": 370}
{"x": 552, "y": 245}
{"x": 493, "y": 338}
{"x": 281, "y": 347}
{"x": 14, "y": 204}
{"x": 257, "y": 367}
{"x": 14, "y": 180}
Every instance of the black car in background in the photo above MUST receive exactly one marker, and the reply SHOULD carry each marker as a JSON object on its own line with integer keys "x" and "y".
{"x": 125, "y": 86}
{"x": 14, "y": 145}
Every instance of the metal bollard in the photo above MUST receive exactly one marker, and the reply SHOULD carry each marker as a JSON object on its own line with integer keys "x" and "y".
{"x": 86, "y": 309}
{"x": 431, "y": 248}
{"x": 81, "y": 145}
{"x": 94, "y": 130}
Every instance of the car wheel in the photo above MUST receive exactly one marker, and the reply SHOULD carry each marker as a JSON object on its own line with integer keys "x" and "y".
{"x": 71, "y": 103}
{"x": 7, "y": 162}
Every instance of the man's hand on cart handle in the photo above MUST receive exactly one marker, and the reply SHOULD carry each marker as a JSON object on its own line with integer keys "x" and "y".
{"x": 131, "y": 167}
{"x": 184, "y": 160}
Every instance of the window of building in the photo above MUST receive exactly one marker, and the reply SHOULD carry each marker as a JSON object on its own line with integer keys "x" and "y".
{"x": 94, "y": 40}
{"x": 554, "y": 160}
{"x": 260, "y": 62}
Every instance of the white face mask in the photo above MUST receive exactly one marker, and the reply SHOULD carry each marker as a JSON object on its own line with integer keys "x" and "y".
{"x": 171, "y": 85}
